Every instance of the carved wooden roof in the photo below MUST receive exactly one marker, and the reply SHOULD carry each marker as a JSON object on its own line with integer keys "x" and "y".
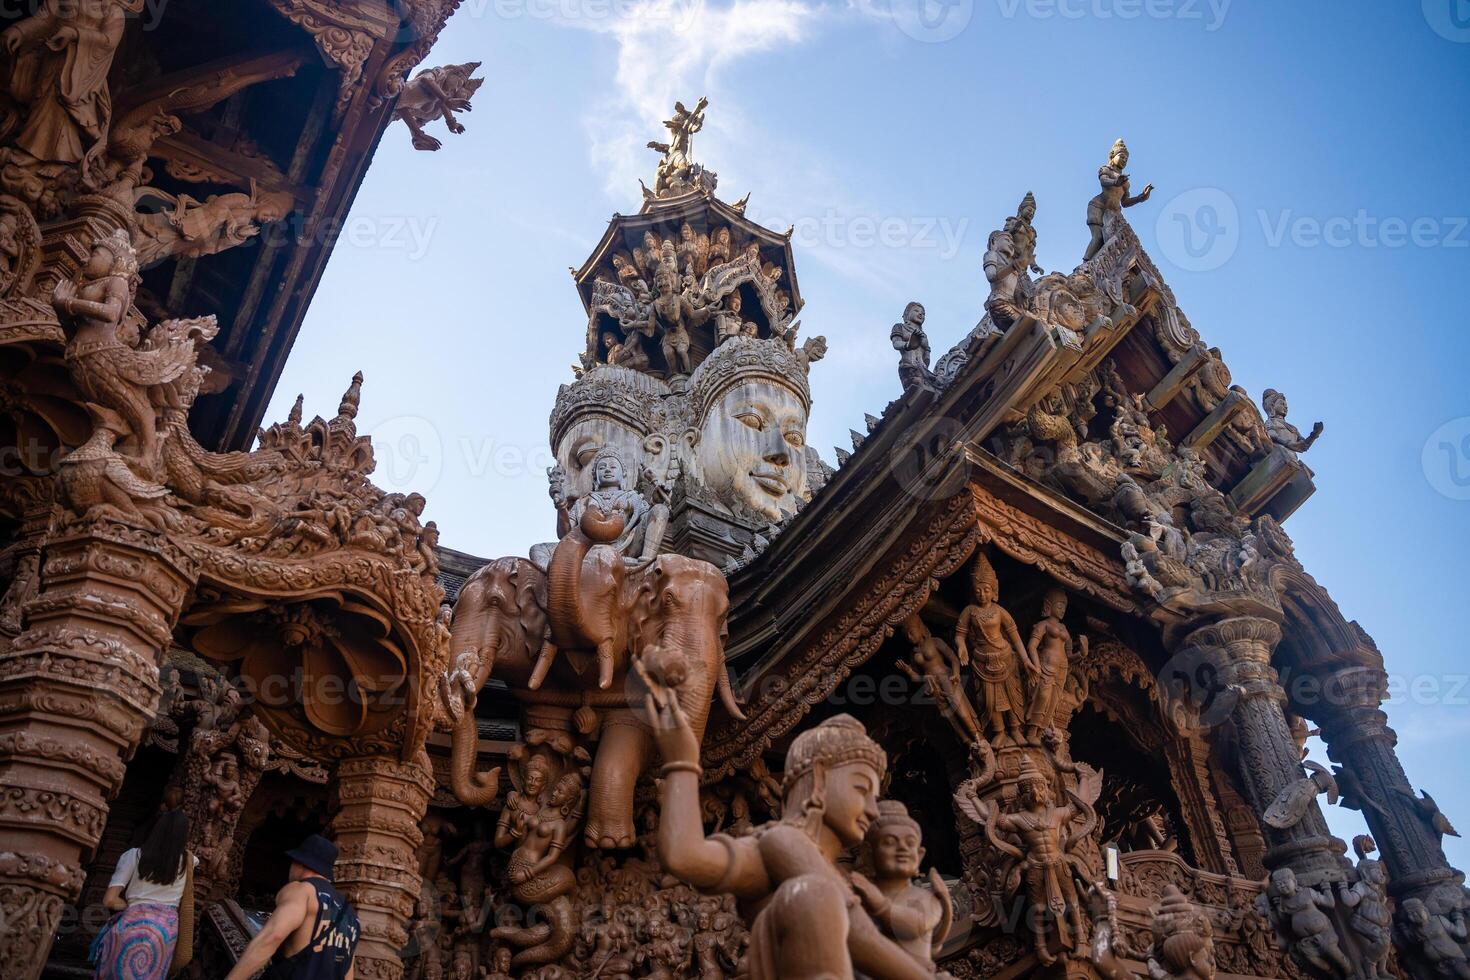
{"x": 321, "y": 80}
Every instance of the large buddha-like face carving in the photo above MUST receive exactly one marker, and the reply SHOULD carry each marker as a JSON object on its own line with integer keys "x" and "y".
{"x": 579, "y": 446}
{"x": 751, "y": 449}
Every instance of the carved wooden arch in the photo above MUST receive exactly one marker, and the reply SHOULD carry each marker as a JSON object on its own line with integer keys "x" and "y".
{"x": 1111, "y": 665}
{"x": 359, "y": 632}
{"x": 1316, "y": 635}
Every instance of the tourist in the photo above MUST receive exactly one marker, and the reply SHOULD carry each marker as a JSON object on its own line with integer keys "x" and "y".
{"x": 313, "y": 931}
{"x": 145, "y": 891}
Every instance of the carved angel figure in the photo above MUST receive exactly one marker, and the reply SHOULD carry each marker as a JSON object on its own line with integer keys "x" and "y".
{"x": 194, "y": 229}
{"x": 935, "y": 665}
{"x": 1302, "y": 927}
{"x": 437, "y": 93}
{"x": 118, "y": 370}
{"x": 912, "y": 344}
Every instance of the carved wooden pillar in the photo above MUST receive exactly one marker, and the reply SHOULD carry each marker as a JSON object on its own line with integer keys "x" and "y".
{"x": 1359, "y": 739}
{"x": 78, "y": 688}
{"x": 383, "y": 801}
{"x": 1269, "y": 758}
{"x": 1188, "y": 760}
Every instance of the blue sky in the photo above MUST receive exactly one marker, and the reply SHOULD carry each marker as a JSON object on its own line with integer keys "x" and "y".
{"x": 1310, "y": 161}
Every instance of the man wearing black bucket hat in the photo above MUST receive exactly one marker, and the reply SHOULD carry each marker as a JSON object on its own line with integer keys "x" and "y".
{"x": 313, "y": 931}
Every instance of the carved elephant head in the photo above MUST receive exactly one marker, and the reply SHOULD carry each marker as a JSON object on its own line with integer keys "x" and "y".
{"x": 499, "y": 625}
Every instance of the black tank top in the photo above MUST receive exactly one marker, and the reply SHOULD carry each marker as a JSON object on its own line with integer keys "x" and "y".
{"x": 328, "y": 954}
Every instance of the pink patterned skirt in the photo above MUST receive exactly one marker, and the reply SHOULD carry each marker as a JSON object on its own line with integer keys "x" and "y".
{"x": 136, "y": 944}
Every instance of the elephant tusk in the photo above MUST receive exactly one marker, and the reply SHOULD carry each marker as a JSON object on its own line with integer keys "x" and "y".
{"x": 543, "y": 665}
{"x": 727, "y": 693}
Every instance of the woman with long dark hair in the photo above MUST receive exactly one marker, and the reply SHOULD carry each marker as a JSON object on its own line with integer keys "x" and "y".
{"x": 145, "y": 892}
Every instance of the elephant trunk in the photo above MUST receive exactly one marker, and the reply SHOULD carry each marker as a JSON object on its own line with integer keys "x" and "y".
{"x": 470, "y": 787}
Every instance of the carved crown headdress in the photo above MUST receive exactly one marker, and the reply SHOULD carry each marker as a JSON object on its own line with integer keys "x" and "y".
{"x": 742, "y": 359}
{"x": 120, "y": 244}
{"x": 984, "y": 573}
{"x": 837, "y": 741}
{"x": 891, "y": 813}
{"x": 619, "y": 393}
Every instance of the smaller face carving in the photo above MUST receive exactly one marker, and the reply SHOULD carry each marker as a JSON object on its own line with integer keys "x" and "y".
{"x": 851, "y": 801}
{"x": 896, "y": 851}
{"x": 752, "y": 449}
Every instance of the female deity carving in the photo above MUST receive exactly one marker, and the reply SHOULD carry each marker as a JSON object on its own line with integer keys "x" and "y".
{"x": 997, "y": 655}
{"x": 1051, "y": 651}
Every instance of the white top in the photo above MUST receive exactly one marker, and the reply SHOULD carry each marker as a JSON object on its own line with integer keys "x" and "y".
{"x": 139, "y": 891}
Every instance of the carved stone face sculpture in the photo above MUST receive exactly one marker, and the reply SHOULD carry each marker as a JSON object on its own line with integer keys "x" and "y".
{"x": 608, "y": 407}
{"x": 751, "y": 449}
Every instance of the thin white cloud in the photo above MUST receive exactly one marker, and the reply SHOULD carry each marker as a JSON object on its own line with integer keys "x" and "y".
{"x": 673, "y": 50}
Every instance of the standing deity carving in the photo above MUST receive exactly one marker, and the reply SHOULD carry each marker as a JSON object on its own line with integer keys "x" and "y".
{"x": 912, "y": 344}
{"x": 997, "y": 654}
{"x": 1050, "y": 651}
{"x": 1112, "y": 199}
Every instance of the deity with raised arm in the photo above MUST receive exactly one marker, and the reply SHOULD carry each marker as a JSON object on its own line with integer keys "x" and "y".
{"x": 806, "y": 922}
{"x": 1112, "y": 199}
{"x": 1282, "y": 432}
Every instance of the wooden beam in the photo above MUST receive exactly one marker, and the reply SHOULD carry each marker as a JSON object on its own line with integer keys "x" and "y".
{"x": 1171, "y": 384}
